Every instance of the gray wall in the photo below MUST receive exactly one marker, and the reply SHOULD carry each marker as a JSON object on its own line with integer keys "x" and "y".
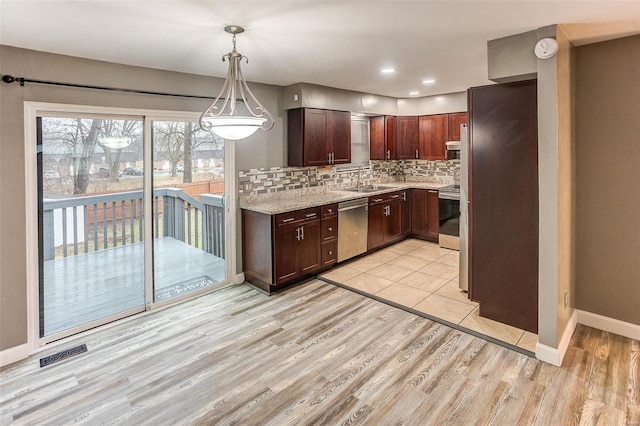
{"x": 261, "y": 150}
{"x": 608, "y": 178}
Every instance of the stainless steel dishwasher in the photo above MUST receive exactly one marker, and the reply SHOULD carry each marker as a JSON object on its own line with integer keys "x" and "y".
{"x": 352, "y": 228}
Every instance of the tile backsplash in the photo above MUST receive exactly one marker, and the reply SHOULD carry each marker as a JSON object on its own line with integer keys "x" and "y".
{"x": 278, "y": 179}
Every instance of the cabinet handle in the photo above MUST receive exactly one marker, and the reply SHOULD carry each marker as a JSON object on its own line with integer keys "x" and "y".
{"x": 298, "y": 233}
{"x": 388, "y": 154}
{"x": 377, "y": 200}
{"x": 288, "y": 220}
{"x": 395, "y": 196}
{"x": 416, "y": 153}
{"x": 310, "y": 215}
{"x": 330, "y": 229}
{"x": 329, "y": 158}
{"x": 404, "y": 195}
{"x": 333, "y": 157}
{"x": 330, "y": 252}
{"x": 329, "y": 210}
{"x": 302, "y": 233}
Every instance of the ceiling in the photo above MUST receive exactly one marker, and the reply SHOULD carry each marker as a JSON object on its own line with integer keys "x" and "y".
{"x": 341, "y": 44}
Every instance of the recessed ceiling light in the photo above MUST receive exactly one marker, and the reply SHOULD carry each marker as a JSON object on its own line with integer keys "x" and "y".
{"x": 428, "y": 81}
{"x": 387, "y": 70}
{"x": 414, "y": 93}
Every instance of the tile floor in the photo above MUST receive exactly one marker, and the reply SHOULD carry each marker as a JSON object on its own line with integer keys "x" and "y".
{"x": 423, "y": 276}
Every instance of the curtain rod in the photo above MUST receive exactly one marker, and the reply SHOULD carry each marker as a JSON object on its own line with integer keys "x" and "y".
{"x": 11, "y": 79}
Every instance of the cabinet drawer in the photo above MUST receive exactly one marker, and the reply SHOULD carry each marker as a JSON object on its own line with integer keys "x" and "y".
{"x": 329, "y": 229}
{"x": 383, "y": 198}
{"x": 329, "y": 210}
{"x": 329, "y": 253}
{"x": 297, "y": 216}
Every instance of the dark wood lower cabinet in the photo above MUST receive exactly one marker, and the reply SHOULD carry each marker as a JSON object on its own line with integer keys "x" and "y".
{"x": 376, "y": 230}
{"x": 385, "y": 220}
{"x": 433, "y": 215}
{"x": 405, "y": 212}
{"x": 425, "y": 222}
{"x": 280, "y": 249}
{"x": 329, "y": 235}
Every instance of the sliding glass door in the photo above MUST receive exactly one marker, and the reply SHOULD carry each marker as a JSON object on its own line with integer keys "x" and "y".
{"x": 131, "y": 215}
{"x": 188, "y": 193}
{"x": 92, "y": 221}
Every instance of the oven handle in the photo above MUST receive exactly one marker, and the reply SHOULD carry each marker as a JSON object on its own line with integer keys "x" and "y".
{"x": 446, "y": 196}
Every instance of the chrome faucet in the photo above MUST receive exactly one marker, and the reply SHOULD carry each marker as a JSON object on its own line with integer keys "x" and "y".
{"x": 360, "y": 170}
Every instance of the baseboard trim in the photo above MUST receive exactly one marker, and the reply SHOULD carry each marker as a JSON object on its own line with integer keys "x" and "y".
{"x": 15, "y": 354}
{"x": 611, "y": 325}
{"x": 554, "y": 356}
{"x": 240, "y": 278}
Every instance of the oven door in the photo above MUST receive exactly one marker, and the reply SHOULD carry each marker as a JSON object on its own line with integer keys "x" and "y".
{"x": 449, "y": 209}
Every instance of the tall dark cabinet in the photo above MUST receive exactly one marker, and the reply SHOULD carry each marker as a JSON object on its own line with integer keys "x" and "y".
{"x": 503, "y": 196}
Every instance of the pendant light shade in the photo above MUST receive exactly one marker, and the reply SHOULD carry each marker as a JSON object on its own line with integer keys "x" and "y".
{"x": 235, "y": 113}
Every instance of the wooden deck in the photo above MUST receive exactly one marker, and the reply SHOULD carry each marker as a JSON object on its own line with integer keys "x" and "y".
{"x": 91, "y": 286}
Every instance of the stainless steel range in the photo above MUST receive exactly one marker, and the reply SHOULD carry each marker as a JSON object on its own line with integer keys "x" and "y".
{"x": 449, "y": 208}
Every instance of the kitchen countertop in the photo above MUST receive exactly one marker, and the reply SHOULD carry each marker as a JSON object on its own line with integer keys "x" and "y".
{"x": 296, "y": 199}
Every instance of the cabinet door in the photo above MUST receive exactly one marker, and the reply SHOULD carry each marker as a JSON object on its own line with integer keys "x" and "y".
{"x": 391, "y": 133}
{"x": 434, "y": 132}
{"x": 405, "y": 212}
{"x": 309, "y": 247}
{"x": 433, "y": 215}
{"x": 393, "y": 221}
{"x": 315, "y": 142}
{"x": 455, "y": 120}
{"x": 407, "y": 141}
{"x": 285, "y": 254}
{"x": 376, "y": 230}
{"x": 377, "y": 149}
{"x": 419, "y": 212}
{"x": 339, "y": 131}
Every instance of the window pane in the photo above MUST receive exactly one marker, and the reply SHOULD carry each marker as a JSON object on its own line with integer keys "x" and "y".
{"x": 188, "y": 182}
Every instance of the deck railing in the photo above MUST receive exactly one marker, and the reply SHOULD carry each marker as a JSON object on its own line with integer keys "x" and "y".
{"x": 97, "y": 222}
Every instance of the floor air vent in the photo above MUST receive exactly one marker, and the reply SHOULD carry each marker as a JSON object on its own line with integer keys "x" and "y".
{"x": 67, "y": 353}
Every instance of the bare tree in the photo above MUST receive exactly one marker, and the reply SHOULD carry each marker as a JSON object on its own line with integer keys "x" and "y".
{"x": 187, "y": 176}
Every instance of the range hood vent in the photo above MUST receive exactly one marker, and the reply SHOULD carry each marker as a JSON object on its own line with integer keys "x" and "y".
{"x": 453, "y": 145}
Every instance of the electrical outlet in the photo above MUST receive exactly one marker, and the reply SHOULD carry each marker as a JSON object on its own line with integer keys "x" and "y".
{"x": 566, "y": 299}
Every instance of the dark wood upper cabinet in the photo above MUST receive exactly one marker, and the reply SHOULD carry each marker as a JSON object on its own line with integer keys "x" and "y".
{"x": 339, "y": 137}
{"x": 408, "y": 138}
{"x": 382, "y": 135}
{"x": 434, "y": 132}
{"x": 318, "y": 137}
{"x": 503, "y": 196}
{"x": 455, "y": 120}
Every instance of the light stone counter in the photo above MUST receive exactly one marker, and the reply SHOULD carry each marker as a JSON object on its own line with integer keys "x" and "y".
{"x": 286, "y": 201}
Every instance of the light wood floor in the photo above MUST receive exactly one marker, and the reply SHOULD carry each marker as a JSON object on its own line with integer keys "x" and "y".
{"x": 88, "y": 287}
{"x": 316, "y": 354}
{"x": 422, "y": 277}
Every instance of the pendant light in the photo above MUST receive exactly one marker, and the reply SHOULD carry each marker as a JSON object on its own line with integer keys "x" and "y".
{"x": 235, "y": 113}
